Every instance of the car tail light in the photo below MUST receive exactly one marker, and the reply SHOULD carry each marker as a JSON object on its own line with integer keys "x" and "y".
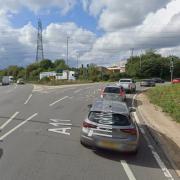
{"x": 121, "y": 93}
{"x": 88, "y": 125}
{"x": 130, "y": 131}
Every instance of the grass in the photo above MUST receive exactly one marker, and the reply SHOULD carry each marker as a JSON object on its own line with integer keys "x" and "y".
{"x": 60, "y": 82}
{"x": 168, "y": 98}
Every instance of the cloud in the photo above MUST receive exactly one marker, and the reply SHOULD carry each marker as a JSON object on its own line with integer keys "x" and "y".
{"x": 159, "y": 30}
{"x": 141, "y": 24}
{"x": 37, "y": 5}
{"x": 116, "y": 14}
{"x": 18, "y": 45}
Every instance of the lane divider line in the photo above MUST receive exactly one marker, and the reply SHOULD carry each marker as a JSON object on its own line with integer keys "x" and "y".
{"x": 128, "y": 170}
{"x": 28, "y": 99}
{"x": 9, "y": 120}
{"x": 161, "y": 164}
{"x": 52, "y": 104}
{"x": 18, "y": 126}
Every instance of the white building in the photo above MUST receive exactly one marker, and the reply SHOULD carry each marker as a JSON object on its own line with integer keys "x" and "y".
{"x": 70, "y": 75}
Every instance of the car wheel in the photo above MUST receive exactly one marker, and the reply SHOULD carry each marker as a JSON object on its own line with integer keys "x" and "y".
{"x": 134, "y": 152}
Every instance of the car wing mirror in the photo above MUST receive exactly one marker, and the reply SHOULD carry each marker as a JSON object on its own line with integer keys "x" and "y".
{"x": 89, "y": 106}
{"x": 132, "y": 109}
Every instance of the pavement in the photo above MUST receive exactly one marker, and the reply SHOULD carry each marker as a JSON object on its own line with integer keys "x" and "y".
{"x": 40, "y": 139}
{"x": 165, "y": 131}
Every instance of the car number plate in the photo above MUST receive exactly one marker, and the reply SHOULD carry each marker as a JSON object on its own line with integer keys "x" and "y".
{"x": 108, "y": 144}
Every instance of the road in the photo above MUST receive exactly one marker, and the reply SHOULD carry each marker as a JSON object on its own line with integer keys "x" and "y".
{"x": 40, "y": 130}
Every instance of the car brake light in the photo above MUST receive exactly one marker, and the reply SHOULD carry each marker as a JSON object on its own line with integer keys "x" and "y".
{"x": 121, "y": 93}
{"x": 130, "y": 131}
{"x": 88, "y": 125}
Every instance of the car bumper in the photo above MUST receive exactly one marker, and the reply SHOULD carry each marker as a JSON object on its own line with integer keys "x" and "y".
{"x": 110, "y": 144}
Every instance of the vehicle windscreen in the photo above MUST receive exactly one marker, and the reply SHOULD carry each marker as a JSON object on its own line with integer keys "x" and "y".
{"x": 108, "y": 118}
{"x": 111, "y": 90}
{"x": 125, "y": 80}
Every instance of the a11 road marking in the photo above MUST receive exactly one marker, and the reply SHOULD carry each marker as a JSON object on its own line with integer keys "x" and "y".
{"x": 59, "y": 123}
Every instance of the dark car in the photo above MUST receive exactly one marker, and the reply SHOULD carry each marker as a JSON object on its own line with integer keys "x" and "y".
{"x": 147, "y": 83}
{"x": 158, "y": 80}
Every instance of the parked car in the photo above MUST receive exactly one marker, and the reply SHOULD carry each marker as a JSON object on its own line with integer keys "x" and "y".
{"x": 20, "y": 81}
{"x": 158, "y": 80}
{"x": 109, "y": 126}
{"x": 116, "y": 93}
{"x": 128, "y": 84}
{"x": 5, "y": 80}
{"x": 147, "y": 83}
{"x": 176, "y": 80}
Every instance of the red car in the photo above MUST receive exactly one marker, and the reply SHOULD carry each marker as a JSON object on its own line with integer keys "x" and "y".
{"x": 176, "y": 80}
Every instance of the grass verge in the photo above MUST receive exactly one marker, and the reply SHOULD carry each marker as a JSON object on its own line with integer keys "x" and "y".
{"x": 168, "y": 98}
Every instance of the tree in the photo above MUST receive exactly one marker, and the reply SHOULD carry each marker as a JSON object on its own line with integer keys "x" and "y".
{"x": 46, "y": 64}
{"x": 60, "y": 64}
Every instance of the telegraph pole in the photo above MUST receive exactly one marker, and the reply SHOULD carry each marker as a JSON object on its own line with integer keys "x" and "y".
{"x": 132, "y": 53}
{"x": 67, "y": 50}
{"x": 77, "y": 61}
{"x": 171, "y": 68}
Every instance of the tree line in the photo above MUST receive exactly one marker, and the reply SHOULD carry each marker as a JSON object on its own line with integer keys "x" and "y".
{"x": 150, "y": 64}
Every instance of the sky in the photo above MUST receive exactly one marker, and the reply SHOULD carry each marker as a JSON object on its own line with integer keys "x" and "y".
{"x": 100, "y": 31}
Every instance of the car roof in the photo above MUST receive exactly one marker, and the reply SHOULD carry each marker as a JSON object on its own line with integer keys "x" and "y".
{"x": 112, "y": 86}
{"x": 126, "y": 79}
{"x": 110, "y": 106}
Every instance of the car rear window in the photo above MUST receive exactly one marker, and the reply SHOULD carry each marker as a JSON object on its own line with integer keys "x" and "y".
{"x": 108, "y": 118}
{"x": 115, "y": 90}
{"x": 125, "y": 80}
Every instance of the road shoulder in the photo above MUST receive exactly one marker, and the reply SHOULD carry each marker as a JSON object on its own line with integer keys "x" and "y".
{"x": 157, "y": 121}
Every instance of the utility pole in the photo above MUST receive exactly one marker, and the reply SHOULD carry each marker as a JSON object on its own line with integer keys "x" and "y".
{"x": 77, "y": 61}
{"x": 171, "y": 68}
{"x": 39, "y": 52}
{"x": 132, "y": 53}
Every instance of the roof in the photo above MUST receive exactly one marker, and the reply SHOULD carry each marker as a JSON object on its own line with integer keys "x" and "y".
{"x": 110, "y": 106}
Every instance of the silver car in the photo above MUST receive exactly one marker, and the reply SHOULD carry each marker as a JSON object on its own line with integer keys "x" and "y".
{"x": 115, "y": 93}
{"x": 147, "y": 83}
{"x": 109, "y": 126}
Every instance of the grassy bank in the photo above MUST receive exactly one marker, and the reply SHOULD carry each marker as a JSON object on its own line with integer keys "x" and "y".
{"x": 59, "y": 82}
{"x": 167, "y": 97}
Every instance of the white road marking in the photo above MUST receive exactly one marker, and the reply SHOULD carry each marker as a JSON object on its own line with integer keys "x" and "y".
{"x": 60, "y": 130}
{"x": 59, "y": 120}
{"x": 28, "y": 99}
{"x": 9, "y": 120}
{"x": 161, "y": 164}
{"x": 18, "y": 126}
{"x": 77, "y": 91}
{"x": 58, "y": 101}
{"x": 60, "y": 124}
{"x": 128, "y": 171}
{"x": 15, "y": 86}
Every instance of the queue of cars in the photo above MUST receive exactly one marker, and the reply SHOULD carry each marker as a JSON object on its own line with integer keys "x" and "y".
{"x": 109, "y": 124}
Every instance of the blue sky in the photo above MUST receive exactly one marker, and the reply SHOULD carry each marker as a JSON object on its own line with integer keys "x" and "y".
{"x": 53, "y": 15}
{"x": 101, "y": 32}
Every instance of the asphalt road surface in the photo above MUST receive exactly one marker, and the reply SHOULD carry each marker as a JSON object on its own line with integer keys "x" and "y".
{"x": 39, "y": 139}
